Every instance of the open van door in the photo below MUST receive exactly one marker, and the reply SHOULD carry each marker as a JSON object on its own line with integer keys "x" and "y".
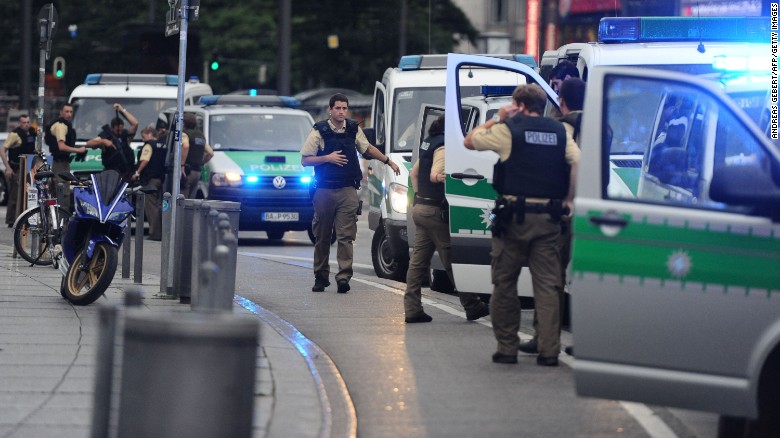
{"x": 675, "y": 296}
{"x": 470, "y": 175}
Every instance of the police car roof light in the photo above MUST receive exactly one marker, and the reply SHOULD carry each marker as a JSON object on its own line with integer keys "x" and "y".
{"x": 135, "y": 79}
{"x": 237, "y": 99}
{"x": 753, "y": 64}
{"x": 497, "y": 90}
{"x": 410, "y": 62}
{"x": 528, "y": 60}
{"x": 659, "y": 29}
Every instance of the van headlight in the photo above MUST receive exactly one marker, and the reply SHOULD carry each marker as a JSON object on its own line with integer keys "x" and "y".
{"x": 232, "y": 179}
{"x": 398, "y": 201}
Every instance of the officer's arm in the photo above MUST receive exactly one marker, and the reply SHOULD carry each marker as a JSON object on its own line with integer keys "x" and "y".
{"x": 185, "y": 148}
{"x": 8, "y": 169}
{"x": 208, "y": 154}
{"x": 130, "y": 118}
{"x": 415, "y": 174}
{"x": 9, "y": 143}
{"x": 569, "y": 200}
{"x": 377, "y": 154}
{"x": 98, "y": 142}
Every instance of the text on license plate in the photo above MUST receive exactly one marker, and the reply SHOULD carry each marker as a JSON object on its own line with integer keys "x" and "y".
{"x": 280, "y": 216}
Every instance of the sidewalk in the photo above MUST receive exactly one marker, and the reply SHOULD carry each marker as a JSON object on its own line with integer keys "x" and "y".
{"x": 48, "y": 359}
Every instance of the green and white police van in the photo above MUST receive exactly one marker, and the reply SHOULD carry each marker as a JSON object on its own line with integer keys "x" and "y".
{"x": 257, "y": 161}
{"x": 395, "y": 112}
{"x": 675, "y": 256}
{"x": 144, "y": 96}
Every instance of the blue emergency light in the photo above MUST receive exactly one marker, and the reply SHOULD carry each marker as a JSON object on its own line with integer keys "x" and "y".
{"x": 305, "y": 179}
{"x": 754, "y": 64}
{"x": 660, "y": 29}
{"x": 238, "y": 99}
{"x": 251, "y": 179}
{"x": 497, "y": 90}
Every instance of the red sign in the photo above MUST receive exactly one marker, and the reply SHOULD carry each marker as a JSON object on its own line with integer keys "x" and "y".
{"x": 593, "y": 6}
{"x": 532, "y": 28}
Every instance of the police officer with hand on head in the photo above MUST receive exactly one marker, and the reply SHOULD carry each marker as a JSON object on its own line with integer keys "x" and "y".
{"x": 114, "y": 139}
{"x": 61, "y": 139}
{"x": 20, "y": 141}
{"x": 534, "y": 178}
{"x": 429, "y": 213}
{"x": 332, "y": 148}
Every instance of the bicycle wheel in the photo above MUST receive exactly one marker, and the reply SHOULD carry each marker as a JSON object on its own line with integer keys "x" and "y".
{"x": 32, "y": 242}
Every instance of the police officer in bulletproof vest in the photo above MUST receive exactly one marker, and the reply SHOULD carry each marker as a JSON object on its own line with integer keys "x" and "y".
{"x": 151, "y": 171}
{"x": 114, "y": 139}
{"x": 431, "y": 218}
{"x": 534, "y": 178}
{"x": 332, "y": 148}
{"x": 195, "y": 152}
{"x": 60, "y": 137}
{"x": 20, "y": 141}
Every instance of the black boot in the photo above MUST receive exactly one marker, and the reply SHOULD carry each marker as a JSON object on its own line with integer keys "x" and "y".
{"x": 320, "y": 283}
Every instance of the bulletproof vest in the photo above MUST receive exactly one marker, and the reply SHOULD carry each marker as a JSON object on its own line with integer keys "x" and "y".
{"x": 574, "y": 119}
{"x": 27, "y": 146}
{"x": 425, "y": 187}
{"x": 51, "y": 141}
{"x": 197, "y": 148}
{"x": 156, "y": 166}
{"x": 537, "y": 166}
{"x": 344, "y": 142}
{"x": 120, "y": 158}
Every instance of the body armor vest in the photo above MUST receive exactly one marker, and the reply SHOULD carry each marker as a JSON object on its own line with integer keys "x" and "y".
{"x": 27, "y": 146}
{"x": 425, "y": 187}
{"x": 156, "y": 166}
{"x": 345, "y": 142}
{"x": 197, "y": 148}
{"x": 537, "y": 166}
{"x": 51, "y": 141}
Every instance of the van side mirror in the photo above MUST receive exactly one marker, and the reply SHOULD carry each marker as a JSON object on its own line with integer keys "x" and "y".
{"x": 370, "y": 135}
{"x": 746, "y": 185}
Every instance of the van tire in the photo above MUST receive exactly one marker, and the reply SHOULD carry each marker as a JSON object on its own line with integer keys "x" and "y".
{"x": 385, "y": 266}
{"x": 768, "y": 422}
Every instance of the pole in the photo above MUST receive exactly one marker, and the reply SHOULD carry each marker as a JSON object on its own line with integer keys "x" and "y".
{"x": 176, "y": 174}
{"x": 283, "y": 81}
{"x": 24, "y": 69}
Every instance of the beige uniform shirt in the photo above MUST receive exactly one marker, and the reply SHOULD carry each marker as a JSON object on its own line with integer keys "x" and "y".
{"x": 59, "y": 131}
{"x": 12, "y": 141}
{"x": 498, "y": 138}
{"x": 146, "y": 153}
{"x": 314, "y": 142}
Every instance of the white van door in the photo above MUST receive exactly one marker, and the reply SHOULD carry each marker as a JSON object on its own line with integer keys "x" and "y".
{"x": 428, "y": 113}
{"x": 375, "y": 167}
{"x": 470, "y": 175}
{"x": 675, "y": 280}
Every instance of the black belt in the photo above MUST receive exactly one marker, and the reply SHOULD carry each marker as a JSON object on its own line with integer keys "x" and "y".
{"x": 62, "y": 159}
{"x": 338, "y": 184}
{"x": 534, "y": 207}
{"x": 426, "y": 201}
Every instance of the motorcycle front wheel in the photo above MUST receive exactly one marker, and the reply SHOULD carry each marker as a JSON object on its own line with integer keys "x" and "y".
{"x": 86, "y": 281}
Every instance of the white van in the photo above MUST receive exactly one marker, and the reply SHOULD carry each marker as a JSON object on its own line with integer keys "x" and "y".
{"x": 417, "y": 80}
{"x": 144, "y": 96}
{"x": 677, "y": 241}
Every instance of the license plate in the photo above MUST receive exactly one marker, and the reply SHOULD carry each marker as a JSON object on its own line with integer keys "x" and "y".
{"x": 280, "y": 216}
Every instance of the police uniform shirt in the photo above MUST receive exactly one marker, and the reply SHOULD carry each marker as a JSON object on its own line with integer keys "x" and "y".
{"x": 438, "y": 162}
{"x": 498, "y": 138}
{"x": 314, "y": 142}
{"x": 12, "y": 141}
{"x": 60, "y": 130}
{"x": 146, "y": 153}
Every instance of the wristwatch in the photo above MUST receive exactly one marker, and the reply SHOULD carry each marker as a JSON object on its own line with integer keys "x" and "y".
{"x": 387, "y": 160}
{"x": 496, "y": 118}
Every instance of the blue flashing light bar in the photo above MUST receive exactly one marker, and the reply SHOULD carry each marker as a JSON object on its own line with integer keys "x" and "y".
{"x": 237, "y": 99}
{"x": 755, "y": 64}
{"x": 305, "y": 179}
{"x": 410, "y": 62}
{"x": 526, "y": 59}
{"x": 92, "y": 79}
{"x": 660, "y": 29}
{"x": 497, "y": 90}
{"x": 252, "y": 179}
{"x": 171, "y": 80}
{"x": 253, "y": 91}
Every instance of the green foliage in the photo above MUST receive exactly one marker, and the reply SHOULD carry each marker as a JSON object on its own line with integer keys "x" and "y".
{"x": 118, "y": 36}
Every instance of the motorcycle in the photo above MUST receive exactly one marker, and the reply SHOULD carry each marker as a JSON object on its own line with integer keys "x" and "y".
{"x": 89, "y": 251}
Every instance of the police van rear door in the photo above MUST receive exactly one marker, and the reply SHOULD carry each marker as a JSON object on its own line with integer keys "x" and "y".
{"x": 675, "y": 282}
{"x": 470, "y": 175}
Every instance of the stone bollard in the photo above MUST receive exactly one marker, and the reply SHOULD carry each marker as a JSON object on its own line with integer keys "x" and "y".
{"x": 165, "y": 244}
{"x": 210, "y": 394}
{"x": 138, "y": 261}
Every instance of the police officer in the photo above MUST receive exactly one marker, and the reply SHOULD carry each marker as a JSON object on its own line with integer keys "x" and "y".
{"x": 429, "y": 213}
{"x": 151, "y": 170}
{"x": 332, "y": 148}
{"x": 61, "y": 139}
{"x": 114, "y": 139}
{"x": 195, "y": 152}
{"x": 20, "y": 141}
{"x": 534, "y": 178}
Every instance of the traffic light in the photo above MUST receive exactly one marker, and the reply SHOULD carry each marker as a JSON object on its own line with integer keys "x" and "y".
{"x": 214, "y": 65}
{"x": 59, "y": 67}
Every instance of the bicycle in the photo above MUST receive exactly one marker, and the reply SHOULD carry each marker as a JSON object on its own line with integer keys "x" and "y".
{"x": 39, "y": 229}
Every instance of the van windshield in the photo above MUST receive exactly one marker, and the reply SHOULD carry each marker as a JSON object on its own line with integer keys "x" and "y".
{"x": 407, "y": 102}
{"x": 90, "y": 113}
{"x": 258, "y": 132}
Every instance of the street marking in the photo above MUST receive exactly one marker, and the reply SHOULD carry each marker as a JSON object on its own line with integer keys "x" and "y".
{"x": 645, "y": 416}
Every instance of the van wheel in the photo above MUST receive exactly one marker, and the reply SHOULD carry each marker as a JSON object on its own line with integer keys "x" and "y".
{"x": 768, "y": 422}
{"x": 441, "y": 282}
{"x": 385, "y": 266}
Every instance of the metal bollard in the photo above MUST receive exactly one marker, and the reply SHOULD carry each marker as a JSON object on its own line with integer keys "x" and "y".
{"x": 126, "y": 252}
{"x": 138, "y": 263}
{"x": 209, "y": 283}
{"x": 210, "y": 395}
{"x": 134, "y": 296}
{"x": 212, "y": 234}
{"x": 165, "y": 246}
{"x": 199, "y": 232}
{"x": 104, "y": 372}
{"x": 229, "y": 272}
{"x": 223, "y": 227}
